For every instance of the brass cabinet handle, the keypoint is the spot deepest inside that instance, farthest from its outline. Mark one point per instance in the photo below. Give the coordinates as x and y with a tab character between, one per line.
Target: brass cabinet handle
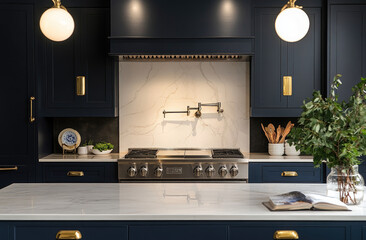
68	234
287	85
285	234
80	85
15	168
289	174
75	173
31	118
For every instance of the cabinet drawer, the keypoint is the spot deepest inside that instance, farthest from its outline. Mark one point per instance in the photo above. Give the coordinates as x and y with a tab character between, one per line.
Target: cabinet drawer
87	232
178	232
77	173
311	231
284	173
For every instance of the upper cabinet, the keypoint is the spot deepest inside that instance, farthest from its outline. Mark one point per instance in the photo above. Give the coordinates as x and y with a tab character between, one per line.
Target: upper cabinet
347	45
84	54
275	59
181	27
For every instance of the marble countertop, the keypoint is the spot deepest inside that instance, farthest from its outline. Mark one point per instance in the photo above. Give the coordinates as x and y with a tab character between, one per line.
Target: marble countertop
251	157
158	201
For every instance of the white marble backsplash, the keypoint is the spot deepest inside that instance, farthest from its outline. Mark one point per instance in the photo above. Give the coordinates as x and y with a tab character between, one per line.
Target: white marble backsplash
147	88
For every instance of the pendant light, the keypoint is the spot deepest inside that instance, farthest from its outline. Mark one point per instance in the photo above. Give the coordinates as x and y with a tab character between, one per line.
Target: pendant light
292	24
57	23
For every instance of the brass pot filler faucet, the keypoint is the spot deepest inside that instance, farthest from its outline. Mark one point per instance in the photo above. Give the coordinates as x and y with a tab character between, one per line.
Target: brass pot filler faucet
198	109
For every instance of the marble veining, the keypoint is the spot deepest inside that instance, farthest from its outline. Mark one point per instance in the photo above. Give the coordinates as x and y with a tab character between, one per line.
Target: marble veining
158	201
147	88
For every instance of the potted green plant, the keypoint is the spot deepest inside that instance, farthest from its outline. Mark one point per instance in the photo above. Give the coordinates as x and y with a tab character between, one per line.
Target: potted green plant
102	148
335	132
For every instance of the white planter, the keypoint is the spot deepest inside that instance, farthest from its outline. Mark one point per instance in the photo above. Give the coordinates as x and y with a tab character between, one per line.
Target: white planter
291	150
83	150
276	149
97	152
90	147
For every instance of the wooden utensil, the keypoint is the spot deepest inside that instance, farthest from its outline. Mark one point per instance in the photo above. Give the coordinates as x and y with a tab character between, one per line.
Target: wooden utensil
279	133
271	134
265	132
287	131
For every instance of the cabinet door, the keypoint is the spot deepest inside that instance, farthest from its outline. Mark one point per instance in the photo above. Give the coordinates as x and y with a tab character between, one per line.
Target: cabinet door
96	66
304	63
17	86
275	58
347	50
270	64
63	65
85	53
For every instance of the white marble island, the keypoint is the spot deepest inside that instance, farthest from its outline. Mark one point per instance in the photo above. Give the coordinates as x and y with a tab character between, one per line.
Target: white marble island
158	201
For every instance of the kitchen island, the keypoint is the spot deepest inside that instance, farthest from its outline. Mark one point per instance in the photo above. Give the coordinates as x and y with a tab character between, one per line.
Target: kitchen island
137	211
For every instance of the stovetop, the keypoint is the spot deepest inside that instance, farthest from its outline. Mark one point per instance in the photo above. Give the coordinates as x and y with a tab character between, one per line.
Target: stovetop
183	153
148	164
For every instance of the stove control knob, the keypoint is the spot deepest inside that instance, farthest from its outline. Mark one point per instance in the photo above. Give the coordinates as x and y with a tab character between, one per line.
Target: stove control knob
197	171
223	171
158	172
234	171
143	171
132	171
210	171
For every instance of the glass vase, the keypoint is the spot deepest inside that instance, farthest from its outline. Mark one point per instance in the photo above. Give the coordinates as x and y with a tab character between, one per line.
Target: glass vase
346	184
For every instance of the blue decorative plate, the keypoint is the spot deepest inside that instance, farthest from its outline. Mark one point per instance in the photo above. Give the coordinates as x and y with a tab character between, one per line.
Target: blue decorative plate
69	138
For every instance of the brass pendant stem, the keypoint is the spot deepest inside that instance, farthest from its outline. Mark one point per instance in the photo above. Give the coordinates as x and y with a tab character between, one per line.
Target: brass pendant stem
56	3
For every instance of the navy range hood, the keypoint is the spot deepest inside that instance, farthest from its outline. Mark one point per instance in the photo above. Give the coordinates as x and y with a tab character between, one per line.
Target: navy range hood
181	27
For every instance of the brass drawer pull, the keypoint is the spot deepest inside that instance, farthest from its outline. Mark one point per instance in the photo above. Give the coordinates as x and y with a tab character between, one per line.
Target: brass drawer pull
285	234
75	173
68	234
287	85
31	118
15	168
80	85
289	174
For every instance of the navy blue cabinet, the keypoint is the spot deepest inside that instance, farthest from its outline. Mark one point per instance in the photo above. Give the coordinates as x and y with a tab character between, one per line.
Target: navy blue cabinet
275	59
85	53
185	27
305	230
283	172
79	172
150	230
347	45
17	157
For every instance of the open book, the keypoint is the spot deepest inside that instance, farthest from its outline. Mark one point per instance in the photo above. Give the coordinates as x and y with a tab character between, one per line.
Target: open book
299	201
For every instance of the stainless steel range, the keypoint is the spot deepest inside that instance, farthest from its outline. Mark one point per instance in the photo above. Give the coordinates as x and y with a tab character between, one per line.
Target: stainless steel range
145	164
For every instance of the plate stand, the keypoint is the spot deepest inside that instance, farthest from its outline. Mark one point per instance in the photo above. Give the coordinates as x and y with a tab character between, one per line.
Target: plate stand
66	149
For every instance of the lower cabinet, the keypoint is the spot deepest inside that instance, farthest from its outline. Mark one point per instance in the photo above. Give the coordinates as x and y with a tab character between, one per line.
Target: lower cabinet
179	230
68	230
284	172
79	172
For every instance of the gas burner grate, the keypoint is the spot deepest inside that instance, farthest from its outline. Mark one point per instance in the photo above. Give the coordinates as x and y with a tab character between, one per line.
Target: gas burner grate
227	153
141	153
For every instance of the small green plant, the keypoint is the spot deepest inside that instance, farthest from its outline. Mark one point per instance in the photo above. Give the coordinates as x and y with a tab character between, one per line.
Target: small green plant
103	146
87	143
333	131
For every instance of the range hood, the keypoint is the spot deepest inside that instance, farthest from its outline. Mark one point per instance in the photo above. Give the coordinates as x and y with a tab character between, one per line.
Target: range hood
180	29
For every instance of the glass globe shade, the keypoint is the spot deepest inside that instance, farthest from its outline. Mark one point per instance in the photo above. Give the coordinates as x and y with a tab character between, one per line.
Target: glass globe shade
292	24
57	24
